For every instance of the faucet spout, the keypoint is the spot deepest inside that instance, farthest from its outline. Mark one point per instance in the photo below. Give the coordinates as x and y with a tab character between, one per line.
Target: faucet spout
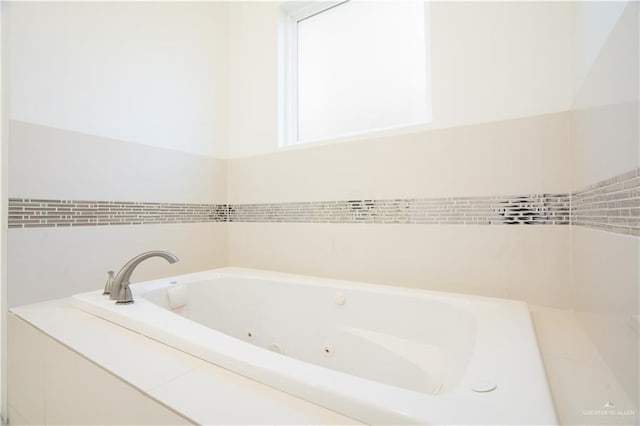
120	289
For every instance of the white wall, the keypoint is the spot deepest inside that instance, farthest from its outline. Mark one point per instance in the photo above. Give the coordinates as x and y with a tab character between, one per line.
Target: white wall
593	24
489	61
153	73
4	143
499	60
520	156
196	79
253	77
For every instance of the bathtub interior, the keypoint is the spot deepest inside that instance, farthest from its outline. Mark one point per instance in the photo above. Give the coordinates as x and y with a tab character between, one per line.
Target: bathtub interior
411	342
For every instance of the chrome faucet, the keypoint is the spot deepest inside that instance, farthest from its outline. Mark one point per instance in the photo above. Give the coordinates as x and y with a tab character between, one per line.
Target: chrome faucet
120	290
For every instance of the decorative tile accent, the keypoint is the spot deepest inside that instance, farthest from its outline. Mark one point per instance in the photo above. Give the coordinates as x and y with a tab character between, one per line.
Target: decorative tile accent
610	205
540	209
32	213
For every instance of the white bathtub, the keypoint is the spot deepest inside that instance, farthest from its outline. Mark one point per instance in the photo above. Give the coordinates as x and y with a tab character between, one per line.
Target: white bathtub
378	354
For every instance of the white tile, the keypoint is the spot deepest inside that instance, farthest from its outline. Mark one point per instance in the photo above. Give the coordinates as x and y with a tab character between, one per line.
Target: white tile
145	173
147	365
537	264
597	156
605	271
79	392
85	254
618	345
579	388
17	419
606	274
528	263
560	333
50	316
528	155
25	381
110	345
213	395
580	380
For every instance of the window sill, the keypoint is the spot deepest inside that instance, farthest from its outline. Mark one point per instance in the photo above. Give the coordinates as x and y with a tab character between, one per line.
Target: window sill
359	136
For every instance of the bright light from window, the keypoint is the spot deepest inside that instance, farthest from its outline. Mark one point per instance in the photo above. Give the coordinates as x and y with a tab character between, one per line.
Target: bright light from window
361	66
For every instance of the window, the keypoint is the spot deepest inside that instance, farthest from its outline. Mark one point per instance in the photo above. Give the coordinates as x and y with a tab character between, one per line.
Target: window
356	67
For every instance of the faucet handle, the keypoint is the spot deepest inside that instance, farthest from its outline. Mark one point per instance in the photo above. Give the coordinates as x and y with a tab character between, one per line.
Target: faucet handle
109	283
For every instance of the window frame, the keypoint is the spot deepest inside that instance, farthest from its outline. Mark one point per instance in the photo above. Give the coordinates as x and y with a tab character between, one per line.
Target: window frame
291	14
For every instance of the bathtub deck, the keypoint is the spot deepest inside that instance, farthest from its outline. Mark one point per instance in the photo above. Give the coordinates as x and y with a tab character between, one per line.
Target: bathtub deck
199	391
579	379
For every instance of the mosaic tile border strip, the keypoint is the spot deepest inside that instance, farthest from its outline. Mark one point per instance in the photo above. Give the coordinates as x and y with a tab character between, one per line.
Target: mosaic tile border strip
37	213
537	209
610	205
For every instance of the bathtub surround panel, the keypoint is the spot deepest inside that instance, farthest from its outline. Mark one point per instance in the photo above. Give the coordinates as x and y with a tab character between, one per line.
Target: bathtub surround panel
522	262
56	164
50	263
481	164
611	205
52	384
605	152
521	156
579	377
173	379
604	142
63	237
606	269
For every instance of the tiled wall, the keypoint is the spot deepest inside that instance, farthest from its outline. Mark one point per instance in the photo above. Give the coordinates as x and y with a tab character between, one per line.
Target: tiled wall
605	163
192	217
611	205
390	210
68	225
425	210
